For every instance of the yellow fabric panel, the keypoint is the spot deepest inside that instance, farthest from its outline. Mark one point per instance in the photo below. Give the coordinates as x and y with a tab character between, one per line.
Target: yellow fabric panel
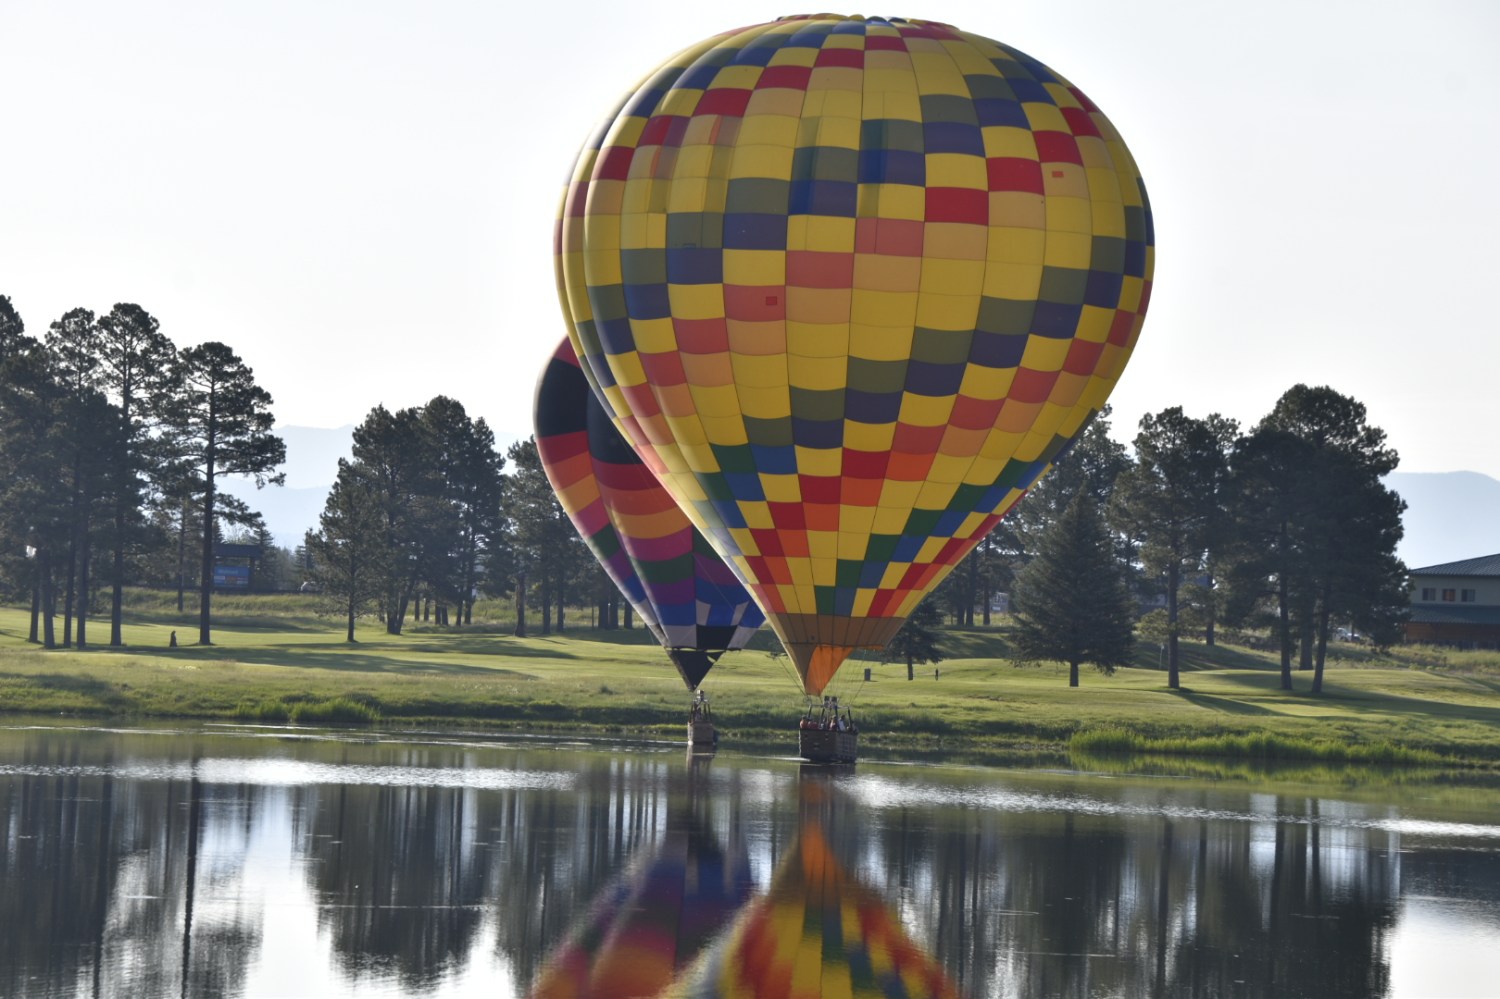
757	514
956	170
1065	180
924	410
891	578
936	73
780	488
757	372
818	306
816	372
868	436
955	241
1001	445
1094	324
884	275
935	496
1070	215
1011	214
1045	117
639	230
819	461
679	102
719	402
1045	353
987	384
1068	249
728	431
893	201
696	301
768	160
936	311
821	233
1008	141
949	469
767	403
747	339
898	495
653	336
889	520
764	129
754	267
1018	282
930	548
958	278
628	370
698	458
736	76
887	317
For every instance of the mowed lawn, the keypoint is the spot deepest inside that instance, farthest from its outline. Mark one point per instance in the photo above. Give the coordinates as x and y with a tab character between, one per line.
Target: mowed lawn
270	657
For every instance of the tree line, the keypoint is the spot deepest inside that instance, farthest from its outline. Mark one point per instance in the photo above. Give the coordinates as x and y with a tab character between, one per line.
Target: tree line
113	445
114	442
113	448
1287	527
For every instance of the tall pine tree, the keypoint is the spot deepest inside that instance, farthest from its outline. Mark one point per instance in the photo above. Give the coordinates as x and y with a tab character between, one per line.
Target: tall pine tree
1071	602
220	423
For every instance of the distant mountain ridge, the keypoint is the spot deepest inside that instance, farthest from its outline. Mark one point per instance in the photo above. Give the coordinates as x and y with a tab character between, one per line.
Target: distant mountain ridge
1450	515
312	463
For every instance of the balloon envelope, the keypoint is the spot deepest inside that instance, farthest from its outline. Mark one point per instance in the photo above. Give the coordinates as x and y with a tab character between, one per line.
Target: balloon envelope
850	286
677	583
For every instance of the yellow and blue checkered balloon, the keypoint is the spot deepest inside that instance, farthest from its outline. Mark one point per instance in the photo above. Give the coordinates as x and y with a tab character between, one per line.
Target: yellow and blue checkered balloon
849	286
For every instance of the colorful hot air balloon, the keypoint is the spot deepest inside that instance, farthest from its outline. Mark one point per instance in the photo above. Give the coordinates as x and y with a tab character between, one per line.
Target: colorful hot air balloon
850	286
677	583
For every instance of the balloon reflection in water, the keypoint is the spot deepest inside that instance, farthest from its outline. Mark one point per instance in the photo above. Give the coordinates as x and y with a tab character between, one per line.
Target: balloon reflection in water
651	921
850	285
817	933
681	588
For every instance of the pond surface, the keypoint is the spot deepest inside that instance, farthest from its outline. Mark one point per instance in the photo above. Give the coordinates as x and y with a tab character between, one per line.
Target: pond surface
271	862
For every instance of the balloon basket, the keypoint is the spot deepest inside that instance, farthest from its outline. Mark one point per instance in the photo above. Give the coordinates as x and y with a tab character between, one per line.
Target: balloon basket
820	745
702	734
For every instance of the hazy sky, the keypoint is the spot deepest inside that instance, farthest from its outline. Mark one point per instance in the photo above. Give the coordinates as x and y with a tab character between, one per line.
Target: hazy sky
358	196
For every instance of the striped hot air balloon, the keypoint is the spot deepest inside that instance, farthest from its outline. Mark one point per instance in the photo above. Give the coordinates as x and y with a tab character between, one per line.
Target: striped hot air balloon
677	583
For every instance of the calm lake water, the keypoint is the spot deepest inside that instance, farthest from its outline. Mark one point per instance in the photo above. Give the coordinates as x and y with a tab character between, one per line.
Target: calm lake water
268	862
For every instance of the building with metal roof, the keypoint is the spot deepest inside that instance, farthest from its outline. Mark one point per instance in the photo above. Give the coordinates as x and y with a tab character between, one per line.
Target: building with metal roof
1457	603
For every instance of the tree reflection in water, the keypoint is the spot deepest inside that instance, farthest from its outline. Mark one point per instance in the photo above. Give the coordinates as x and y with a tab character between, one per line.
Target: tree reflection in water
170	864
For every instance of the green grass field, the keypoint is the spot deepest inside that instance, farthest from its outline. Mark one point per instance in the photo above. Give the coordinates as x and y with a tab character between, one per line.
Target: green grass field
276	659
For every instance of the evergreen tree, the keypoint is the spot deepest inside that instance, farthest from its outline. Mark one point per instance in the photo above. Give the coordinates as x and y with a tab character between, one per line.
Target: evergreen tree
349	548
469	477
1264	554
1091	464
135	369
542	538
1348	523
1167	503
918	641
219	421
90	436
388	453
1071	602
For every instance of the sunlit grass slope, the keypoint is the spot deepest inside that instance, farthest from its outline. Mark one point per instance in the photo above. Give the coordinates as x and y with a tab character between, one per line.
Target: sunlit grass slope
276	659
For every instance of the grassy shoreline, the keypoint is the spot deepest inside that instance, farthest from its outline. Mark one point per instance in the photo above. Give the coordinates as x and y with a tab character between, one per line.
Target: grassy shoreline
275	660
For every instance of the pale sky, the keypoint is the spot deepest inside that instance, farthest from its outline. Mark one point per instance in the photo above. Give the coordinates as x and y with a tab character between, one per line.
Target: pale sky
357	197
